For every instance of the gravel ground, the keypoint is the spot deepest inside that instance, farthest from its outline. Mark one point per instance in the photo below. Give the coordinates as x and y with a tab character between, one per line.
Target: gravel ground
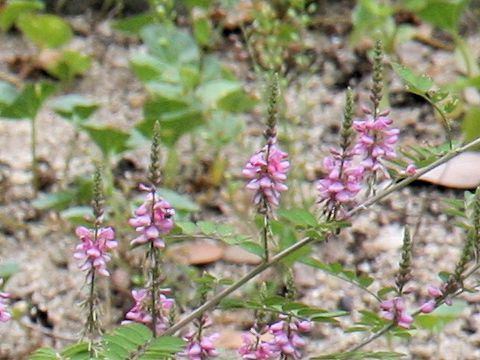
42	244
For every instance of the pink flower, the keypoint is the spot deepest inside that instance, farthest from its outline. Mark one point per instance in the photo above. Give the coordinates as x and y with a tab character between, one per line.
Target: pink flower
287	339
375	142
395	310
200	349
428	306
153	219
4	313
254	348
342	183
93	251
411	169
141	311
267	171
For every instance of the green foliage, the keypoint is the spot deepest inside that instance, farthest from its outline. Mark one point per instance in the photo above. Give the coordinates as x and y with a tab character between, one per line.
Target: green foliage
471	125
279	305
74	108
28	102
186	88
110	140
7	269
8	94
443	315
444	14
125	342
14	8
69	65
47	31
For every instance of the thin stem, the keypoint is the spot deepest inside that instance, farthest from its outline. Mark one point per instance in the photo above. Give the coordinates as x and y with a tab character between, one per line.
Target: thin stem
33	153
227	291
372	338
403	183
153	254
446	124
305	241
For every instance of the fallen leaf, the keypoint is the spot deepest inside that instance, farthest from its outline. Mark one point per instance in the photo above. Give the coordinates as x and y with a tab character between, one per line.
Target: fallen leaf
237	255
196	252
461	172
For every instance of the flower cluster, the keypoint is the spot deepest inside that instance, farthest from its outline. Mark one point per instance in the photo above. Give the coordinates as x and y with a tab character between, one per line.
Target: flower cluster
93	251
153	219
267	171
342	183
395	310
254	348
376	141
286	341
141	311
4	314
200	349
434	293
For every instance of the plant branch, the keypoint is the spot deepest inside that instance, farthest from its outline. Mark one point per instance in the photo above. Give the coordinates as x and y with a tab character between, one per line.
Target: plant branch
305	241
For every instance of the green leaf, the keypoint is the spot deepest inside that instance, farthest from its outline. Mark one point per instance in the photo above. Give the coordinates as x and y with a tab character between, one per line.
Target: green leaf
163	346
111	141
69	65
253	247
471	125
418	84
187	227
298	216
125	341
44	354
8	94
78	214
213	91
170	44
47	31
74	107
13	9
27	104
202	30
148	68
78	351
444	14
207	227
176	117
9	268
179	201
55	201
443	315
236	101
132	25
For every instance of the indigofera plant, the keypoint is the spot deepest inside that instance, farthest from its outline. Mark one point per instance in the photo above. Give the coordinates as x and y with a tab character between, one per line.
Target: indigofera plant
282	323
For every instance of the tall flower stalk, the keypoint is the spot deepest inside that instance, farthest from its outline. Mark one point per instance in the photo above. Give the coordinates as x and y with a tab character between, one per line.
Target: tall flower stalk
267	169
343	180
94	254
152	220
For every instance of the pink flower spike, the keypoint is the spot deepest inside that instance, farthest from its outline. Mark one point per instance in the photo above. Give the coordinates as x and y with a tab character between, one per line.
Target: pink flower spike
267	176
152	220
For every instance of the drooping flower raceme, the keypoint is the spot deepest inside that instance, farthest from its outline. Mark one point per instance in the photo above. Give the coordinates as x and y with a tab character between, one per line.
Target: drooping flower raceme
200	349
141	312
4	313
153	219
267	171
376	141
343	182
94	249
254	348
287	339
395	310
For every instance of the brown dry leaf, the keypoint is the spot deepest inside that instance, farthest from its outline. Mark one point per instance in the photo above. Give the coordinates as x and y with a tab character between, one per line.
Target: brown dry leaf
196	252
461	172
230	339
237	255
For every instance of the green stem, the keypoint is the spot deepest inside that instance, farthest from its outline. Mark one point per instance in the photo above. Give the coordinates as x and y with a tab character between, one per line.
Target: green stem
305	241
33	152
